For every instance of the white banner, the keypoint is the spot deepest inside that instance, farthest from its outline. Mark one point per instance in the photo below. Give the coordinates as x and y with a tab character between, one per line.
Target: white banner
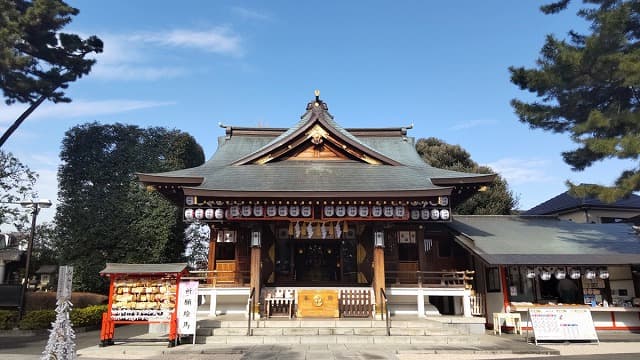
187	307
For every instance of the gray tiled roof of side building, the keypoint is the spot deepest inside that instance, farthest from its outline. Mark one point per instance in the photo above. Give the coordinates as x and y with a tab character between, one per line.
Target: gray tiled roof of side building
546	240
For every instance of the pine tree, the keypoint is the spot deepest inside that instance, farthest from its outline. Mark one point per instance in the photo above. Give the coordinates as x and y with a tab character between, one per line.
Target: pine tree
589	87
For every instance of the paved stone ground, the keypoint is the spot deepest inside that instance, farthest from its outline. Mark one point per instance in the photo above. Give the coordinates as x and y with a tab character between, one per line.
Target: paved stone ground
625	345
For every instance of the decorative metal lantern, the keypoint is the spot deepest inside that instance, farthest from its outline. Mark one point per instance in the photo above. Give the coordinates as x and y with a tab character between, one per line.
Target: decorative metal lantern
574	274
590	274
340	210
424	214
560	274
352	211
255	238
188	214
209	214
603	274
435	214
378	238
531	274
444	214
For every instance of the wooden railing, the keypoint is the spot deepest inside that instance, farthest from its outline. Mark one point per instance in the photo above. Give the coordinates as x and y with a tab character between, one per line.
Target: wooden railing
444	279
220	278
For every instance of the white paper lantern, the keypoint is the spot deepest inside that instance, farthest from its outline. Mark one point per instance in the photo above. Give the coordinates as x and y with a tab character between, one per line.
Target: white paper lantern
531	274
444	214
388	211
294	210
209	214
415	214
604	274
376	211
443	200
188	214
340	210
328	211
424	214
188	200
306	211
435	214
258	211
199	214
363	211
352	211
218	214
272	210
545	275
560	274
234	211
590	274
574	274
399	211
282	210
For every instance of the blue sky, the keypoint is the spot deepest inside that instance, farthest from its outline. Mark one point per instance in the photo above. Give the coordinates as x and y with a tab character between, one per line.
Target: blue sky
439	65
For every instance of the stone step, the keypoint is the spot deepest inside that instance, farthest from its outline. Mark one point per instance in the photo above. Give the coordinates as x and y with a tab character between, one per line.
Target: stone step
342	323
340	339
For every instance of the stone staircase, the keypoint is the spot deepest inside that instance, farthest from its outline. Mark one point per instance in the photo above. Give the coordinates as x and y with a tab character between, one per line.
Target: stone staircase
441	330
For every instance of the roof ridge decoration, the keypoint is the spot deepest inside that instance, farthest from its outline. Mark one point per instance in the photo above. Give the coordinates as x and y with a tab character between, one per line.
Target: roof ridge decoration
316	137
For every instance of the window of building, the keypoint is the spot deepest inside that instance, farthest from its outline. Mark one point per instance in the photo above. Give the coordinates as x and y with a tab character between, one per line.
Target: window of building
520	287
493	279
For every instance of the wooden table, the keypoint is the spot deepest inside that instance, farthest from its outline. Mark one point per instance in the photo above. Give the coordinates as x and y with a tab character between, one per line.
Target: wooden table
513	318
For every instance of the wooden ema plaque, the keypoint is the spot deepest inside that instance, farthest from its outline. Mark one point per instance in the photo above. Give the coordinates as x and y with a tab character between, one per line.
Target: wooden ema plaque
318	303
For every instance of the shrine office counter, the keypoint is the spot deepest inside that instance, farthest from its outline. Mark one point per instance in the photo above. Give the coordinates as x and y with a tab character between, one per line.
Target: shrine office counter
604	318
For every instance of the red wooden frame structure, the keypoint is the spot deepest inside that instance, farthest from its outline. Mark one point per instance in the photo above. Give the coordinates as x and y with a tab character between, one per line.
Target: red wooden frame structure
142	294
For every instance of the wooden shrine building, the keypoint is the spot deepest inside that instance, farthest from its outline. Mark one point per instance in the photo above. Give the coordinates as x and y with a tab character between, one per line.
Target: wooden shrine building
320	207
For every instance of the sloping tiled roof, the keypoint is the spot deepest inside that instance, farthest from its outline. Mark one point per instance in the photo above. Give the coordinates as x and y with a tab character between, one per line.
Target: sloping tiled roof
227	171
119	268
539	240
565	201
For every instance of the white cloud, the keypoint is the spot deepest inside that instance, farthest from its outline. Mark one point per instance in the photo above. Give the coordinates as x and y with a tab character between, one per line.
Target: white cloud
81	108
519	171
251	14
218	40
135	72
471	124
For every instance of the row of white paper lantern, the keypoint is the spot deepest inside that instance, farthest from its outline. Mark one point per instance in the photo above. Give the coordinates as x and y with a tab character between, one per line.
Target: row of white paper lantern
305	211
573	274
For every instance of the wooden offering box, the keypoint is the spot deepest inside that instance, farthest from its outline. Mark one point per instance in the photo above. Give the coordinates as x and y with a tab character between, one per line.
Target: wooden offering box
318	303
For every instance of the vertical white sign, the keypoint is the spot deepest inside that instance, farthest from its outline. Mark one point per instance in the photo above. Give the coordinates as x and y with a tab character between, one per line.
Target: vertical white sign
187	308
65	281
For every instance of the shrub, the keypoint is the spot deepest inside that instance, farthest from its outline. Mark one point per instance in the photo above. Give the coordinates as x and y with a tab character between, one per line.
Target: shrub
88	316
43	300
8	319
38	319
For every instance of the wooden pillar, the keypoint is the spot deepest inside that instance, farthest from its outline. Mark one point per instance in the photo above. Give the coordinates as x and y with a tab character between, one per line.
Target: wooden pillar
255	279
211	264
378	278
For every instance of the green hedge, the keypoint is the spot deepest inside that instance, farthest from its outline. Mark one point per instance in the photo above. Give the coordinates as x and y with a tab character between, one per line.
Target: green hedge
42	319
8	319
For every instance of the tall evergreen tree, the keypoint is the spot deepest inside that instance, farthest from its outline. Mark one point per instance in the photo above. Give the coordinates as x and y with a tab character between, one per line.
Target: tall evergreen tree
496	200
16	184
588	86
104	214
37	59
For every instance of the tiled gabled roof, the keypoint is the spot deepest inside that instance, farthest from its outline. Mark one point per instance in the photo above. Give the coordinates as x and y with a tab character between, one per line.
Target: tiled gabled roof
566	201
